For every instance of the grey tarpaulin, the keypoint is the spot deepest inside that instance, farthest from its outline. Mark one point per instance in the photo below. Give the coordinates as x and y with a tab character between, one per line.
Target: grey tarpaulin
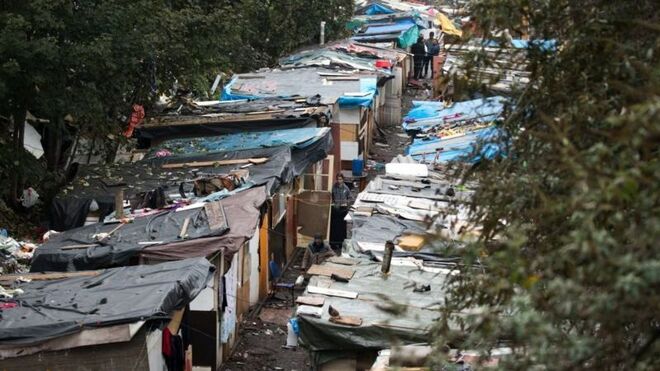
381	228
242	211
69	209
380	329
50	309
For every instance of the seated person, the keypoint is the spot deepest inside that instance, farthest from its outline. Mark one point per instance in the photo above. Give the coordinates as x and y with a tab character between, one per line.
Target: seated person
316	252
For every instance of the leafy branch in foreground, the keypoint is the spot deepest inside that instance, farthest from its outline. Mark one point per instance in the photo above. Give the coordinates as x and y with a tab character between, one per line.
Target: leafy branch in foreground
571	216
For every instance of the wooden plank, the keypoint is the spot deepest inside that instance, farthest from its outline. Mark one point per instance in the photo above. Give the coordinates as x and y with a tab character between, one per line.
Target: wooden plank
342	260
347	320
411	242
256	161
83	246
265	112
315	301
348	132
47	276
332	292
175	322
328	271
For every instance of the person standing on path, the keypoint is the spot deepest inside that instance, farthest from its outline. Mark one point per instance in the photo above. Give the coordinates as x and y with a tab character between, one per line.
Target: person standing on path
432	50
419	53
341	199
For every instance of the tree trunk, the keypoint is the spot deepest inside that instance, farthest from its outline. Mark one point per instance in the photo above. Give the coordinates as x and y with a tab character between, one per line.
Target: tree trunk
18	138
54	144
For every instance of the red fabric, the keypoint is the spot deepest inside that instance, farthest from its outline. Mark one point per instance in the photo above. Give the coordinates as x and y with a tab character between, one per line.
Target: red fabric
167	342
136	119
8	305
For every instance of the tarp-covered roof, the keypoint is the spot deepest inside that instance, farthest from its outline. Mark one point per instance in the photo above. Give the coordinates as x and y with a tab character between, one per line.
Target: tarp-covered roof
426	115
380	329
331	85
50	309
457	148
155	235
70	208
296	138
194	119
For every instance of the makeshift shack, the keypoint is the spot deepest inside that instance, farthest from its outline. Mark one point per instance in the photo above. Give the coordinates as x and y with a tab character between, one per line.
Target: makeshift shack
119	318
372	311
209	118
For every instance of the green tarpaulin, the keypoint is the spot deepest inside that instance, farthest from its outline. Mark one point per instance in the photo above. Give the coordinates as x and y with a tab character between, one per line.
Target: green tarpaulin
408	37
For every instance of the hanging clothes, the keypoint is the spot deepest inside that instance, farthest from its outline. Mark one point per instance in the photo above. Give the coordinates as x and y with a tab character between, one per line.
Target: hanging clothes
172	350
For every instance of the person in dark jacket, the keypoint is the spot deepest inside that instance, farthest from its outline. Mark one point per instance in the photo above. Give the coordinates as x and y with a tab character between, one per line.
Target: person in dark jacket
419	53
432	50
341	200
317	251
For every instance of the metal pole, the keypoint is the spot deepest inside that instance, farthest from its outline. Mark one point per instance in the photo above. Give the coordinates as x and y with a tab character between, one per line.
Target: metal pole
322	41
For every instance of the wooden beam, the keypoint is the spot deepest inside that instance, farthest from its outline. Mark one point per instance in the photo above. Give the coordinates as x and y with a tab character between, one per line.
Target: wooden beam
332	292
47	276
256	161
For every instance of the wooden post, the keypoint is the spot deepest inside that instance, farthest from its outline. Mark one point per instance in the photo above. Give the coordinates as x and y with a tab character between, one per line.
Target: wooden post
336	146
291	226
119	203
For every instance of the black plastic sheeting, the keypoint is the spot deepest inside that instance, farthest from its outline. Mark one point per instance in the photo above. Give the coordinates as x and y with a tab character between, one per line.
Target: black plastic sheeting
122	245
50	309
70	208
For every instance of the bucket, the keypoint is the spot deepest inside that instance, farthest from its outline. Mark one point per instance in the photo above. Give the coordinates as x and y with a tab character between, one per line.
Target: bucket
358	166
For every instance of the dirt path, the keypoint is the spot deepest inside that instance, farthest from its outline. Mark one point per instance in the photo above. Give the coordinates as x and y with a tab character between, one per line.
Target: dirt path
262	339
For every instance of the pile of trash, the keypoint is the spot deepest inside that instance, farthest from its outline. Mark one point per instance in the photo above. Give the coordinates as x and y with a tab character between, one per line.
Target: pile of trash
15	256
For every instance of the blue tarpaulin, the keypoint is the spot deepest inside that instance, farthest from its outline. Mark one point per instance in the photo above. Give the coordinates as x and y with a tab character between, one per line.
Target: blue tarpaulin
368	86
377	8
397	26
547	45
426	115
460	148
296	138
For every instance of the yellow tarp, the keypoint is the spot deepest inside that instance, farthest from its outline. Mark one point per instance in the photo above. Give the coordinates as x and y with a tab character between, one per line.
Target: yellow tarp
448	26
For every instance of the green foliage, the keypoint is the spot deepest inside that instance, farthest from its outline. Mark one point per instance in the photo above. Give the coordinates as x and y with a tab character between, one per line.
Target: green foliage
89	61
572	216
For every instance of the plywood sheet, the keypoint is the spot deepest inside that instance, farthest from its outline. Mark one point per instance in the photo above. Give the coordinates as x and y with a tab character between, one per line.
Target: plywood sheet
313	212
328	271
411	242
347	320
315	301
341	260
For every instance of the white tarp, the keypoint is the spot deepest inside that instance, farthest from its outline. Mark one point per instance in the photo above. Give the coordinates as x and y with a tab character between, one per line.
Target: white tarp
32	141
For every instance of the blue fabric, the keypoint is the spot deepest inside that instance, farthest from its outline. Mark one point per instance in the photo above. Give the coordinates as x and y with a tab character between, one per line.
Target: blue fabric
274	269
458	148
398	26
367	85
427	114
298	138
226	93
377	9
547	45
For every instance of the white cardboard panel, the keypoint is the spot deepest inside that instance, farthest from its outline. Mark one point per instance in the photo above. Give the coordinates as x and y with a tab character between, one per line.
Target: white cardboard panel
349	151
